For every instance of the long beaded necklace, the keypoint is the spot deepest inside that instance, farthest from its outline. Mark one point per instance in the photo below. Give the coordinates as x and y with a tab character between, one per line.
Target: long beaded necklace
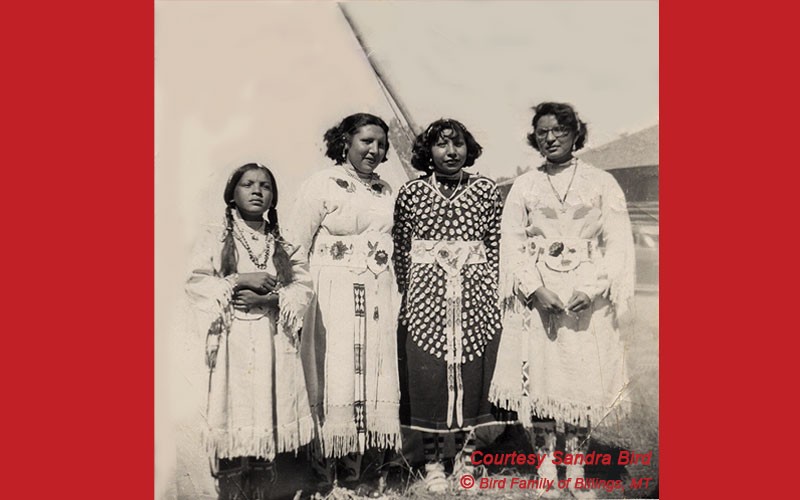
563	200
261	259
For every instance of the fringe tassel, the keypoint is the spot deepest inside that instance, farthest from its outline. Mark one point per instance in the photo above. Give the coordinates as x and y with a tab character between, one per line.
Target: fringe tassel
620	294
257	442
510	400
241	443
561	410
292	304
291	437
340	440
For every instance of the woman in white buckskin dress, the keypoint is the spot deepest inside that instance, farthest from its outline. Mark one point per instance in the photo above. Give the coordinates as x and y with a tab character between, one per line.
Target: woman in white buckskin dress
567	275
342	219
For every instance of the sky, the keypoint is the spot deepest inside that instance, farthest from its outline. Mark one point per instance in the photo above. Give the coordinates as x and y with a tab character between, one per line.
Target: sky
488	63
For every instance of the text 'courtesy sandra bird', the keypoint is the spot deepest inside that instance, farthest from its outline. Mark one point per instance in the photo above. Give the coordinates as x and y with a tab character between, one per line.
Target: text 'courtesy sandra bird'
561	458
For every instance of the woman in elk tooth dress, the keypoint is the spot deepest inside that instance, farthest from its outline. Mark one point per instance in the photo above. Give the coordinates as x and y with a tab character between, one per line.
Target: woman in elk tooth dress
446	233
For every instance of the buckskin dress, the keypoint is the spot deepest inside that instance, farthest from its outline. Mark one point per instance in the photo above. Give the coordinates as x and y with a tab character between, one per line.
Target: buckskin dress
257	400
567	366
349	338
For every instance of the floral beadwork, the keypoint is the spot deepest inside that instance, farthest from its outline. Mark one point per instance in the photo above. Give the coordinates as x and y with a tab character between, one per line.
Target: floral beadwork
338	250
381	257
555	249
378	256
350	188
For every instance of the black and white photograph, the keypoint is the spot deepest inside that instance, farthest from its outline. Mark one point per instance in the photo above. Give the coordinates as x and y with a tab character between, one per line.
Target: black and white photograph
406	249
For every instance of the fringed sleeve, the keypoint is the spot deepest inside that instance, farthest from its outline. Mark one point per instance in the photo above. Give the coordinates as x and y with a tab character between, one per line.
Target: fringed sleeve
294	298
308	213
209	294
518	278
402	231
618	261
518	272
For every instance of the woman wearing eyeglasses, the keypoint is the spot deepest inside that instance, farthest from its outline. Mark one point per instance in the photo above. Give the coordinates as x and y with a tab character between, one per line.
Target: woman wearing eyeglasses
567	266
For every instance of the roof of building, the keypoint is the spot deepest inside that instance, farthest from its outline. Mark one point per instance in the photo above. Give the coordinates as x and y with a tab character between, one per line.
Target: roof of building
631	150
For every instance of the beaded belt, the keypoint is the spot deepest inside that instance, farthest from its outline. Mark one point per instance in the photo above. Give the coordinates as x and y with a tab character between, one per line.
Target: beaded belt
371	250
562	254
451	256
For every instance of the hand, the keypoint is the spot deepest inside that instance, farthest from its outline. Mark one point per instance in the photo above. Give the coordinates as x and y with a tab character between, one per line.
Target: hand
578	302
548	299
260	282
244	300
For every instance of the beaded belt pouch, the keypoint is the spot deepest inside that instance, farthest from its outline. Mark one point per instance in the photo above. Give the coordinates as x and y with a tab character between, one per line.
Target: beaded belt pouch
369	250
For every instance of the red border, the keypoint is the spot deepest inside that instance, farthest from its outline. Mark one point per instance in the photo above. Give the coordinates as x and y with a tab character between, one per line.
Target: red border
78	336
725	196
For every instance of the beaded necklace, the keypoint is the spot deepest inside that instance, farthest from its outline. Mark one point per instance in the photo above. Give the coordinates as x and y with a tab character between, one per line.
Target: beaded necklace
243	233
372	183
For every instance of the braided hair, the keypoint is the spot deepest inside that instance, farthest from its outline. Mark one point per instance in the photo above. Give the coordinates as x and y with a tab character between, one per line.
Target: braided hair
229	257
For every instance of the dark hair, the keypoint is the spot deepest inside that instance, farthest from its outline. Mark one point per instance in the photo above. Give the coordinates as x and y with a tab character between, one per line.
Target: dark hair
338	138
421	158
229	258
566	115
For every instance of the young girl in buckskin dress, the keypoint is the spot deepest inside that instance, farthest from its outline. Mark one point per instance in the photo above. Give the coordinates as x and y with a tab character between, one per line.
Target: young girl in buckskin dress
250	289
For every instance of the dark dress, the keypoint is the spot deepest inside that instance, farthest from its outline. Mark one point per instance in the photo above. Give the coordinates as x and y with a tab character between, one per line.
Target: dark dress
446	259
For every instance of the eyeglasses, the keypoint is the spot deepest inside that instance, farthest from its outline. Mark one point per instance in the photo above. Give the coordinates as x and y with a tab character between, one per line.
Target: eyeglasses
558	132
